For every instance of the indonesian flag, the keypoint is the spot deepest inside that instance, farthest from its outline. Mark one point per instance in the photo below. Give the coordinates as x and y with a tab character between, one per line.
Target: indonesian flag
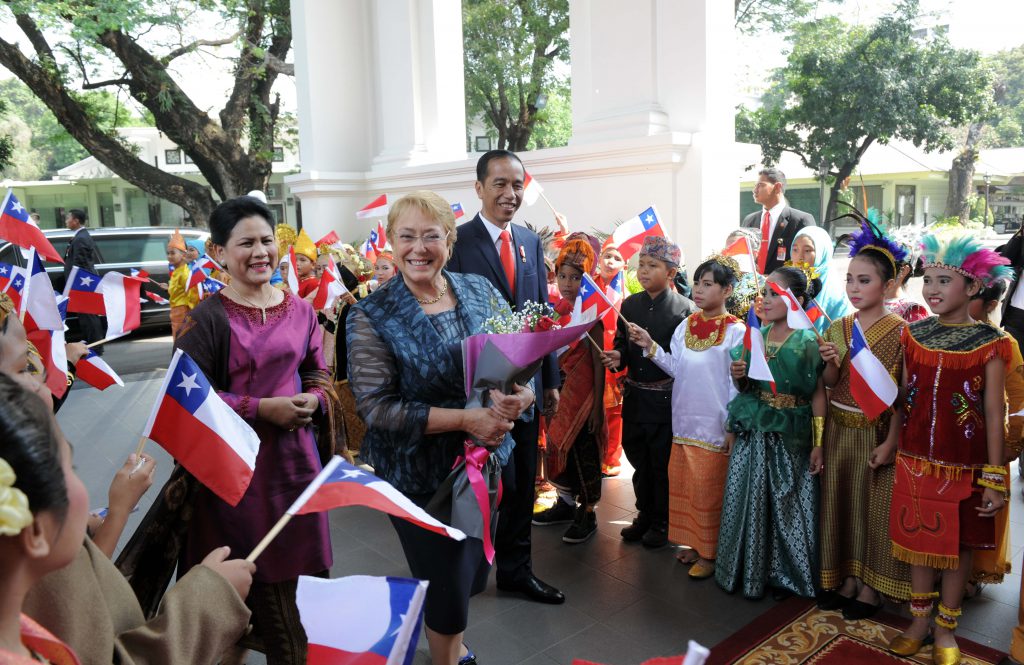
83	292
16	226
629	236
361	620
375	208
796	317
193	424
96	373
292	275
122	302
531	190
38	300
753	342
381	238
331	287
457	210
870	383
744	255
330	239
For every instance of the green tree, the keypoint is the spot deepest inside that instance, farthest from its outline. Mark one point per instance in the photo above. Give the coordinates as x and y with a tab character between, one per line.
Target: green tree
770	15
845	88
510	48
1007	120
71	47
554	121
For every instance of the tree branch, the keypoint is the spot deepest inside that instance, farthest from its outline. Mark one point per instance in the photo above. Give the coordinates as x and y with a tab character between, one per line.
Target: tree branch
188	48
123	80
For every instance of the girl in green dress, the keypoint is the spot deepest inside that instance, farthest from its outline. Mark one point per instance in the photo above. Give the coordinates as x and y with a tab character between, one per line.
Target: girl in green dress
769	530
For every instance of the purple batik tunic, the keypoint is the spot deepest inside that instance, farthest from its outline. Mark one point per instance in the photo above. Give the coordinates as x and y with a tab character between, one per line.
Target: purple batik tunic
265	361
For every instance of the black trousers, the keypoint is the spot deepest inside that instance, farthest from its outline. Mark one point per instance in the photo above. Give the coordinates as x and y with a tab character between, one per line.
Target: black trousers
91	326
647	447
512	543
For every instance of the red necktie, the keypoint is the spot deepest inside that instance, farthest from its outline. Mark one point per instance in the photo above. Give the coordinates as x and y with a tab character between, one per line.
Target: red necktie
762	254
506	260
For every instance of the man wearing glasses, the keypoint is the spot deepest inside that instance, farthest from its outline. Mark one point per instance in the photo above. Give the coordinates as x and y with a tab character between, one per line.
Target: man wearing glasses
777	222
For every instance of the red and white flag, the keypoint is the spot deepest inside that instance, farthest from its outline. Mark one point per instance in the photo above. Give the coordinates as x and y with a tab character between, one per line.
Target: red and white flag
744	255
381	239
796	317
531	190
84	293
200	431
331	239
122	302
17	226
870	383
50	344
96	373
292	276
753	342
375	208
156	297
629	235
38	300
331	287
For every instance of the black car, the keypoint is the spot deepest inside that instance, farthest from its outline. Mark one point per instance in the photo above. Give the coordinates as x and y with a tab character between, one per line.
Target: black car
120	249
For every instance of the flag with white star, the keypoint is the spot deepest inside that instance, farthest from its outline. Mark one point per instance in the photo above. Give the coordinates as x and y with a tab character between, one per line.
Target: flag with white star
16	227
84	293
203	433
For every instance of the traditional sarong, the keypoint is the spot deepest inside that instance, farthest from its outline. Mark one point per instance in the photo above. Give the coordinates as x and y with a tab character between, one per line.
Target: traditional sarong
569	426
177	318
696	485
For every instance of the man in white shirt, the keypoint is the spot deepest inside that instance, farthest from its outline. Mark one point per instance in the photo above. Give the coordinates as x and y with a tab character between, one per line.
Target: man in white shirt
777	222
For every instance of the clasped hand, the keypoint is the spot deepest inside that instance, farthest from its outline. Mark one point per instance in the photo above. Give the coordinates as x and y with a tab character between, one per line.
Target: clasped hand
288	412
490	424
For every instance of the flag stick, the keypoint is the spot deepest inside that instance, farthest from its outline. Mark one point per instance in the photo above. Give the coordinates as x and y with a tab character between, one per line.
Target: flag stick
545	197
281	523
142	444
100	342
596	345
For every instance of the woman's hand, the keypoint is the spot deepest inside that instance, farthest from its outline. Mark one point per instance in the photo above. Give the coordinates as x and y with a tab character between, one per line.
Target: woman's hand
611	360
75	351
483	424
639	336
510	407
882	455
738	369
829	352
348	297
817	460
286	412
130	482
237	572
992	501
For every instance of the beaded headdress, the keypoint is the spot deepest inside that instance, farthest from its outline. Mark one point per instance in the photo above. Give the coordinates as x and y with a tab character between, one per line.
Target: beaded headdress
964	254
6	307
872	238
806	268
726	261
578	252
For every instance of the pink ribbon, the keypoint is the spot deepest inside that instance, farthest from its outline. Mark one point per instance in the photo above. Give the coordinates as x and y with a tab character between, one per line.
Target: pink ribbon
475	458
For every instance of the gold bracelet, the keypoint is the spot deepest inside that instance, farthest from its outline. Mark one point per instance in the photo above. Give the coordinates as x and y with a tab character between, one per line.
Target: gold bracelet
652	350
818	429
989	468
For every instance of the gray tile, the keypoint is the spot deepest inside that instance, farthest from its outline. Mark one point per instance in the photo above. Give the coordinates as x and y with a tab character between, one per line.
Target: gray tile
1008	592
989	617
490	603
558	567
497	644
365	561
664	626
603	644
540	626
600	595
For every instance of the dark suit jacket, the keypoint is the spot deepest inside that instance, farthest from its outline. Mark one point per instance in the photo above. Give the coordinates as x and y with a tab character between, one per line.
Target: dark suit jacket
474	253
81	252
790	222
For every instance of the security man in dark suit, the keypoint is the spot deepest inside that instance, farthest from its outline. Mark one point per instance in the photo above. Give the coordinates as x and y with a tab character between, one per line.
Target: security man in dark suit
510	256
777	222
82	252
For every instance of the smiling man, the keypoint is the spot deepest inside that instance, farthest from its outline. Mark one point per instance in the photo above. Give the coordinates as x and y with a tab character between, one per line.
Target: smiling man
511	257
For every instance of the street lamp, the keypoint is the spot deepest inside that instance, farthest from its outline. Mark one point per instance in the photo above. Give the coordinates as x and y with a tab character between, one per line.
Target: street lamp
822	174
988	181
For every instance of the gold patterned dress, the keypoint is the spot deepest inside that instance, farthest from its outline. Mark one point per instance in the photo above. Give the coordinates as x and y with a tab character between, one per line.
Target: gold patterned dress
855	499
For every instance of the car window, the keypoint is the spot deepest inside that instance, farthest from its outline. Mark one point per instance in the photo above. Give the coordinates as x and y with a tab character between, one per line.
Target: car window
9	254
60	244
122	249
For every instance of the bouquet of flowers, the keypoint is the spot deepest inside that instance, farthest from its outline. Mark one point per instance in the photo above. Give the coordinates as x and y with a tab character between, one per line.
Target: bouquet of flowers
508	352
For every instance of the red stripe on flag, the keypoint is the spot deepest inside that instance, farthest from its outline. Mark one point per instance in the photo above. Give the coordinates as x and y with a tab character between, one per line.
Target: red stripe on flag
867	399
318	654
93	375
338	494
201	450
86	302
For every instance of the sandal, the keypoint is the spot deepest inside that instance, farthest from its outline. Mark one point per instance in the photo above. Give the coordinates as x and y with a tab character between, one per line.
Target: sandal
684	559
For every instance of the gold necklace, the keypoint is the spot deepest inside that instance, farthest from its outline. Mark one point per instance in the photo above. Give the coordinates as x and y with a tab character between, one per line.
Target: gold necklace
262	308
440	294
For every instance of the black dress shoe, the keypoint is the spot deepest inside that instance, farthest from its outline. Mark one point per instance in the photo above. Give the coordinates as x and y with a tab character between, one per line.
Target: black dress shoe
781	594
534	589
832	600
858	609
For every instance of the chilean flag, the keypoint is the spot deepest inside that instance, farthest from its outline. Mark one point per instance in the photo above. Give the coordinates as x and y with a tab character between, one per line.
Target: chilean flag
753	342
140	273
12	282
591	302
84	293
331	287
38	300
203	433
341	484
122	302
870	383
796	317
367	249
207	263
52	351
361	620
531	190
375	208
96	373
16	227
210	286
196	276
380	237
157	298
457	210
744	255
814	312
629	236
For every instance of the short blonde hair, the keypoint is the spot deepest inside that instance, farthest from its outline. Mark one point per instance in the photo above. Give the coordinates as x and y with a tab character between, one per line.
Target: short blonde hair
429	203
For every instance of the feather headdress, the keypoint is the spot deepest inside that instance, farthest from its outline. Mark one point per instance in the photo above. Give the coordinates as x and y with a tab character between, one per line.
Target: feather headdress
964	254
871	237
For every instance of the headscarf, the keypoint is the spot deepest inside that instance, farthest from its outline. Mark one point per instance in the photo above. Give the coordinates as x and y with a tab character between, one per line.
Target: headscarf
832	297
196	244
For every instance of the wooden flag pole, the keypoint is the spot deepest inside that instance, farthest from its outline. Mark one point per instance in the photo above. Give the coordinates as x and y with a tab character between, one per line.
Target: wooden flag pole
267	539
100	342
141	445
545	197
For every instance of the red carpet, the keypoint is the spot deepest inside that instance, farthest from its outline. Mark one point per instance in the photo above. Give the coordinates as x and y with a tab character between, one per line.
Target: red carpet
796	632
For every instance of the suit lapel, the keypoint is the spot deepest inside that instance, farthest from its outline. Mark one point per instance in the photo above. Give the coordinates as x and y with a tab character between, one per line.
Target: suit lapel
489	253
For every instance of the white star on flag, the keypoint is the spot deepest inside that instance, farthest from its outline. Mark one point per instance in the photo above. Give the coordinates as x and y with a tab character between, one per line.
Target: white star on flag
353	473
17	207
188	383
3	270
86	281
17	283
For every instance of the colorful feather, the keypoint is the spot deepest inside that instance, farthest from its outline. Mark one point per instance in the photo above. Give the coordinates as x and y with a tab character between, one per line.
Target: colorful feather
872	236
966	255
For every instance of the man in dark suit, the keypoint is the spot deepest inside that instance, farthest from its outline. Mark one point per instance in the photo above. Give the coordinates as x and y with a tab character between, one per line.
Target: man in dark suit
511	257
81	252
777	222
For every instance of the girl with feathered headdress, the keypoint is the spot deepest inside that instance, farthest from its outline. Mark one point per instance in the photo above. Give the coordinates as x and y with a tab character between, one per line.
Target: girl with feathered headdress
857	566
950	479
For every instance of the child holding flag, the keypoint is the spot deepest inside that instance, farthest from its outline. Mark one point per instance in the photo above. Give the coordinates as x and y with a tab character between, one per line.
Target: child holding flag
699	362
857	566
647	404
576	434
305	262
769	529
950	461
611	277
182	299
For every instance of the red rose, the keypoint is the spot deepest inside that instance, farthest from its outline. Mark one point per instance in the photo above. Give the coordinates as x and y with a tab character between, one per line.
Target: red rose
545	323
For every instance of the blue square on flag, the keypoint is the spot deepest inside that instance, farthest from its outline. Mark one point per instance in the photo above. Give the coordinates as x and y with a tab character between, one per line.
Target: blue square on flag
86	281
188	387
648	218
15	209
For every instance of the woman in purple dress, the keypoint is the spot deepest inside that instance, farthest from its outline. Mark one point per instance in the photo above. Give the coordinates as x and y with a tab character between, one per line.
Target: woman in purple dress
260	347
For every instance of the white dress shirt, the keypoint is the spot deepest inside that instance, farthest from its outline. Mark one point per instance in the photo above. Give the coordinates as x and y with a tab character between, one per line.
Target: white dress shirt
495	232
773	215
